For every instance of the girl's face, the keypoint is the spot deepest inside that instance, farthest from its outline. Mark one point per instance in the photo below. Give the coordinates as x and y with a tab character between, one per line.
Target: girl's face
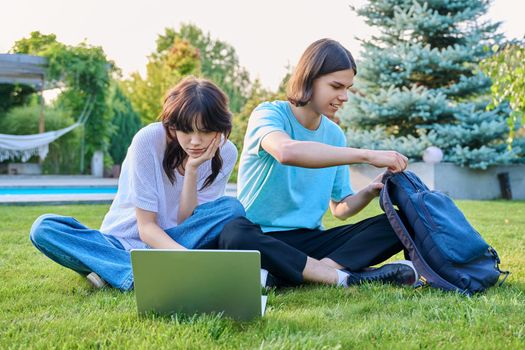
330	92
195	142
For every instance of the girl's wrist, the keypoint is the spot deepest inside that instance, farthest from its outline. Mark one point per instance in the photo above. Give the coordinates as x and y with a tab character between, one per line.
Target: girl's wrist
190	169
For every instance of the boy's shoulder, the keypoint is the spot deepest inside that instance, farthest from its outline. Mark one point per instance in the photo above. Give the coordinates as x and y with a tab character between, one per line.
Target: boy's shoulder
276	106
274	112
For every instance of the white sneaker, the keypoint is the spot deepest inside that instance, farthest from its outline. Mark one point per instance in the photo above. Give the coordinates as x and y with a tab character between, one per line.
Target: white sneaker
96	281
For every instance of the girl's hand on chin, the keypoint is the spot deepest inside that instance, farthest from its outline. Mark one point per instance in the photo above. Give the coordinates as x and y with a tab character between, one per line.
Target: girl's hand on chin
209	153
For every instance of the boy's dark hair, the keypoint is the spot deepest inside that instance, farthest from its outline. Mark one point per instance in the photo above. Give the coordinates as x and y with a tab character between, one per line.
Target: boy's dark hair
193	104
322	57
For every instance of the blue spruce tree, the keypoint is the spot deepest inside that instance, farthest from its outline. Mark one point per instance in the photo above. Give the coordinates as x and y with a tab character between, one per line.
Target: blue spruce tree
419	84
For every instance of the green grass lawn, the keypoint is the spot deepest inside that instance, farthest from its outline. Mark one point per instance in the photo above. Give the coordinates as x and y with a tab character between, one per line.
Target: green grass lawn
44	305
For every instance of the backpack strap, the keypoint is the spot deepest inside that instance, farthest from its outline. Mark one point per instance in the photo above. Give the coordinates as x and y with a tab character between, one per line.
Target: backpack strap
496	266
404	236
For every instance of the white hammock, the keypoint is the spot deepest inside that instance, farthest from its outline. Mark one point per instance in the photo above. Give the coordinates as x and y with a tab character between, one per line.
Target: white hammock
26	146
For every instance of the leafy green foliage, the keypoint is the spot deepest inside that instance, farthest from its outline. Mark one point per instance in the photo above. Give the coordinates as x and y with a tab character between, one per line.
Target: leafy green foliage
85	73
63	153
125	121
163	71
219	62
419	86
14	95
37	42
507	70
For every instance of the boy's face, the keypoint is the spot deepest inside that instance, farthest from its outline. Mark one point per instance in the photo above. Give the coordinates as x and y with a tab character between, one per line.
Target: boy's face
330	92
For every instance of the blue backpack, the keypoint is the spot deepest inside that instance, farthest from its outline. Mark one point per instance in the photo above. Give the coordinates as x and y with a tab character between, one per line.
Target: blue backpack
445	249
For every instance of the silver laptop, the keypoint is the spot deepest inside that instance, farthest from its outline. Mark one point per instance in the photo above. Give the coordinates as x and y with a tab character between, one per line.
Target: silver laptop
198	281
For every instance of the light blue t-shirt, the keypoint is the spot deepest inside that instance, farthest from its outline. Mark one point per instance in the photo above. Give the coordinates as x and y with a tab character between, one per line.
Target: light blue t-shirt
283	197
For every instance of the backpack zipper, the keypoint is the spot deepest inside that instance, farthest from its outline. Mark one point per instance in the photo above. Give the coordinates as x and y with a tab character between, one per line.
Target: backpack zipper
429	218
411	182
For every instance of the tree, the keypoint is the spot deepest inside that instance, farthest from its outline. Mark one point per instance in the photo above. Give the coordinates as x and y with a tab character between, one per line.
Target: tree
507	71
420	84
163	71
37	42
13	96
126	122
218	59
85	72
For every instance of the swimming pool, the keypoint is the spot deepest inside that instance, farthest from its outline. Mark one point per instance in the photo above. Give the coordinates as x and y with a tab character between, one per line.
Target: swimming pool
35	190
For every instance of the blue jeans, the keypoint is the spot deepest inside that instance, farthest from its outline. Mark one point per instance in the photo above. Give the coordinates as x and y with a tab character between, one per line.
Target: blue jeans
84	250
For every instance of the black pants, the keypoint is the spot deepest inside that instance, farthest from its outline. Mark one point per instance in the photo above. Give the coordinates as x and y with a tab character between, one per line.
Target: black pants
284	253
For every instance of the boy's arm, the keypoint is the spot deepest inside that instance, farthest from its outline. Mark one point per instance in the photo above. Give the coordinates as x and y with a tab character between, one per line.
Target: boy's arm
309	154
353	204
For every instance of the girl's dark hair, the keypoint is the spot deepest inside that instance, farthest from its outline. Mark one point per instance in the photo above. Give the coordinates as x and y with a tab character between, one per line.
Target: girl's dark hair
193	104
322	57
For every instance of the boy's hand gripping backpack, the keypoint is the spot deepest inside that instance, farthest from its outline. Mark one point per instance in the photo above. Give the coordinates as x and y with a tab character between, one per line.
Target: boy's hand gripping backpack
445	249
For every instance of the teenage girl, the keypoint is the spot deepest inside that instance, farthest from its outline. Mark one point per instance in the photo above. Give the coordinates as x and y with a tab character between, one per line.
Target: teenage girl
294	166
170	191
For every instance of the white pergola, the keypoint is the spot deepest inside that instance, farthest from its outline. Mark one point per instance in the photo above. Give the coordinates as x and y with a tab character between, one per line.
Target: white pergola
19	69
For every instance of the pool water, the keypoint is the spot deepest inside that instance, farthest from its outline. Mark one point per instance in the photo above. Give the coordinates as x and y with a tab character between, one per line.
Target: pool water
57	190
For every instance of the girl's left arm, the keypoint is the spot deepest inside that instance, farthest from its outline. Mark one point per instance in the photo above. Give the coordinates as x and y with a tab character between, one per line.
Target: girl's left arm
353	204
151	233
188	196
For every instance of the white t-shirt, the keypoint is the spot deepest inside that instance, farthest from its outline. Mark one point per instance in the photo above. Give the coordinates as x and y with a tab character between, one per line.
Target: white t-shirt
144	184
